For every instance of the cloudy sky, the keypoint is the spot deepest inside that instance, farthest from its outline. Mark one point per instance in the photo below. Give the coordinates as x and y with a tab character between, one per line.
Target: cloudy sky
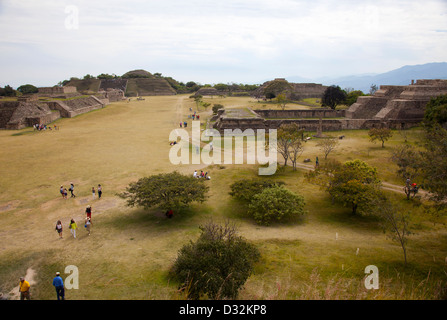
43	42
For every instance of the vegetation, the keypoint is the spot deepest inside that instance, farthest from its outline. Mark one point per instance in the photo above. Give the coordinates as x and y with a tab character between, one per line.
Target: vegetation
166	191
381	134
276	204
217	265
332	97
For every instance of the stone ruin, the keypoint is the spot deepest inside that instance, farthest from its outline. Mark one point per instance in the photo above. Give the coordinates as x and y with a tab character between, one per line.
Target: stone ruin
293	91
396	107
50	104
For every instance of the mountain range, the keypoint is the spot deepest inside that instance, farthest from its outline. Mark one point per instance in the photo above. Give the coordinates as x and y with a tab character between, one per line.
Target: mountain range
401	76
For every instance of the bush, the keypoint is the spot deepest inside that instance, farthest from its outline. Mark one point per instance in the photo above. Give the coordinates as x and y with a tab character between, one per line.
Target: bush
217	265
167	191
276	204
245	190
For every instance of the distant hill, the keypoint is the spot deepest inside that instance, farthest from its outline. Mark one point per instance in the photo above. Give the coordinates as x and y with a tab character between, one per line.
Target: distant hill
401	76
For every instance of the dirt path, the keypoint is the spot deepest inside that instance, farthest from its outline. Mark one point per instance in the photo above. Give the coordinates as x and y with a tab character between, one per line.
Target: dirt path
30	277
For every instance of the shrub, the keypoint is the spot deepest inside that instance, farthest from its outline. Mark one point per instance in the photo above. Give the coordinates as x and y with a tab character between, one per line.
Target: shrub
245	190
216	265
276	204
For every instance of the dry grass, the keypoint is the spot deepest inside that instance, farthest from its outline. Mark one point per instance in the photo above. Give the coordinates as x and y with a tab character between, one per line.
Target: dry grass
129	252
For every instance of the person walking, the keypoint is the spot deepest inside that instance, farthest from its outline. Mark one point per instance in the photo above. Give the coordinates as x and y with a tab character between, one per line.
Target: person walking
24	288
59	228
58	283
88	212
87	225
93	192
72	190
99	191
73	226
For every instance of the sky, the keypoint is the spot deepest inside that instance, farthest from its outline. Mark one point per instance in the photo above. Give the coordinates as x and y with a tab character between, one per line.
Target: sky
43	42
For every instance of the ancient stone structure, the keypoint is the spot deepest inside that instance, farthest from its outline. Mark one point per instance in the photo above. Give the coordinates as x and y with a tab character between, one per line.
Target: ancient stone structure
406	103
293	91
49	105
394	107
208	91
50	91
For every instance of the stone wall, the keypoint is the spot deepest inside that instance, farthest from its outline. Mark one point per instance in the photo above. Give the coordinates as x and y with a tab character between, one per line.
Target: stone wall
56	90
295	114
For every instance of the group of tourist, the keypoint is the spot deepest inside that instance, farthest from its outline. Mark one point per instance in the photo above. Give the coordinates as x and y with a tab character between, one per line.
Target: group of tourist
43	127
201	175
64	193
73	226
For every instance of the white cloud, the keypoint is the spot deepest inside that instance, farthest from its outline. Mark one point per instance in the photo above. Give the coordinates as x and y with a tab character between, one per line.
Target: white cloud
284	37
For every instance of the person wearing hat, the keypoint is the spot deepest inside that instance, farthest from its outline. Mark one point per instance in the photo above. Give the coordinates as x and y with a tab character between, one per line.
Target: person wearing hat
58	283
24	287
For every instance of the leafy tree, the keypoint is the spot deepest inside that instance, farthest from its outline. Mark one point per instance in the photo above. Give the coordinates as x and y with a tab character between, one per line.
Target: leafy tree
166	191
381	134
356	184
436	111
217	265
373	89
106	76
327	145
8	91
216	107
276	204
289	141
332	97
281	100
245	189
27	89
351	97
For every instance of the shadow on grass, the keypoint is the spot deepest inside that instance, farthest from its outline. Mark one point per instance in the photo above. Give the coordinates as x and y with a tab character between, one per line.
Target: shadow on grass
156	218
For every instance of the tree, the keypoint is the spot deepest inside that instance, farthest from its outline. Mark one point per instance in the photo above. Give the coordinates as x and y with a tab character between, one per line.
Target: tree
395	223
245	190
354	183
217	265
288	136
382	134
296	148
436	111
8	91
332	97
27	89
166	191
352	96
373	89
276	204
216	107
281	100
327	145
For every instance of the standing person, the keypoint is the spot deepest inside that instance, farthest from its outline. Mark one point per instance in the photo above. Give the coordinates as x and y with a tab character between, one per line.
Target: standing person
72	190
88	212
87	225
73	226
59	228
24	287
317	163
65	193
99	191
58	283
93	192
